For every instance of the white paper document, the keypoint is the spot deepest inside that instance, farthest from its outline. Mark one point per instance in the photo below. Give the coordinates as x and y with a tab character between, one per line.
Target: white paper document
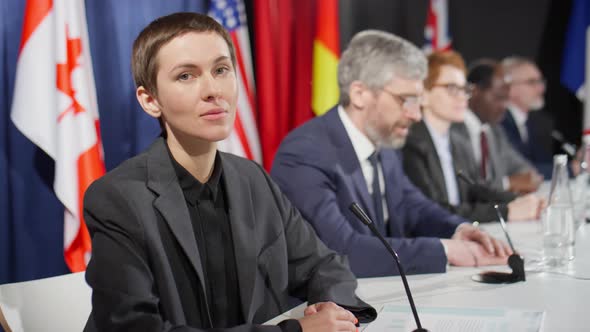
396	317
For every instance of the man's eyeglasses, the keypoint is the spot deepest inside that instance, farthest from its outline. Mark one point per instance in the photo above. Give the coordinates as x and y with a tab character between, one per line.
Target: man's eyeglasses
411	102
456	90
531	82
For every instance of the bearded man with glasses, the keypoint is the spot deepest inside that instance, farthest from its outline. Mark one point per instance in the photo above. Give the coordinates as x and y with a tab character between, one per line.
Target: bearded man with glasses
350	154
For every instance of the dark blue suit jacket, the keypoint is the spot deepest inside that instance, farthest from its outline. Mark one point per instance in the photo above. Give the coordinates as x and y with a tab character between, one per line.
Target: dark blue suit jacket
538	148
317	168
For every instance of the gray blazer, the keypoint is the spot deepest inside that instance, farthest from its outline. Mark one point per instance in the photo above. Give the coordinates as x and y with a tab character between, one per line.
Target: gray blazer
145	253
423	167
504	159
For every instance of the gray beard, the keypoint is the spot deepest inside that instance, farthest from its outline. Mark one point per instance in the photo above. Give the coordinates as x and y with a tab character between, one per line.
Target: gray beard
390	142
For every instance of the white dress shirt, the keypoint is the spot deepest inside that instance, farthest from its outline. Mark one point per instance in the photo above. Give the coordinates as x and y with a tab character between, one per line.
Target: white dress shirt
364	148
442	144
520	118
475	127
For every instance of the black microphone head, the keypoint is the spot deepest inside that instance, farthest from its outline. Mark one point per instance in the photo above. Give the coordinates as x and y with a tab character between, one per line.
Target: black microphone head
557	136
359	213
566	146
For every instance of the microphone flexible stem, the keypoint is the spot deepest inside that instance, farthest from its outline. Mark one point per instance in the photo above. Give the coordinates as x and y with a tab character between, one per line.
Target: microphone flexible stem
402	274
359	213
504	228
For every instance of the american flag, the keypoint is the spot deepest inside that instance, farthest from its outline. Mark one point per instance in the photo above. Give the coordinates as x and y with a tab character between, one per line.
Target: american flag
243	140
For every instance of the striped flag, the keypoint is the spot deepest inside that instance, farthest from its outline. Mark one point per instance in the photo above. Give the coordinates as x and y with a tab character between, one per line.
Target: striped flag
326	52
575	68
243	140
55	107
436	31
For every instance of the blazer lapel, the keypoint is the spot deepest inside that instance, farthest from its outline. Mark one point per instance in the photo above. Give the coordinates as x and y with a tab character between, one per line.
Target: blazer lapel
495	164
513	133
349	159
362	191
463	161
163	181
243	234
426	145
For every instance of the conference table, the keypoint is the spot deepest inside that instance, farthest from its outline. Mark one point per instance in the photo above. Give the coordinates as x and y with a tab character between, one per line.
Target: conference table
563	293
63	303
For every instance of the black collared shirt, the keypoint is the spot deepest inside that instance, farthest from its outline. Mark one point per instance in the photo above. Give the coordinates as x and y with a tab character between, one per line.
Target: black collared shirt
210	220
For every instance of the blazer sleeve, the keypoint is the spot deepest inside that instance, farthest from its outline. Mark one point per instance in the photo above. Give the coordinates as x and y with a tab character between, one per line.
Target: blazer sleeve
480	211
316	273
123	296
482	198
417	171
314	190
424	217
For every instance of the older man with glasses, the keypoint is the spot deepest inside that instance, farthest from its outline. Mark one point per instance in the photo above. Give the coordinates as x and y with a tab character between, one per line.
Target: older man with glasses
434	154
529	131
349	155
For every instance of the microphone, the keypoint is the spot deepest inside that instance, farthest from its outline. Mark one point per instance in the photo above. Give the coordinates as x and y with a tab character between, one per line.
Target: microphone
515	262
364	218
566	146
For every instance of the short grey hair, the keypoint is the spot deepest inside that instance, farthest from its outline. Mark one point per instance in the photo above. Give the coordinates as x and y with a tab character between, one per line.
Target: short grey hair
375	57
509	64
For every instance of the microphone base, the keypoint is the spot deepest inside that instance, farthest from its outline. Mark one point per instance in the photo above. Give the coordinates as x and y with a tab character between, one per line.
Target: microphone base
515	261
420	330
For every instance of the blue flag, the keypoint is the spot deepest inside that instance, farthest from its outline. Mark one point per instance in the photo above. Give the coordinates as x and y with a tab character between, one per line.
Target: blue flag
574	55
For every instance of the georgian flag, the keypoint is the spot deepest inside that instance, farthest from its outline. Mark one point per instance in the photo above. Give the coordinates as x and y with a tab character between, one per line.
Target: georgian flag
55	107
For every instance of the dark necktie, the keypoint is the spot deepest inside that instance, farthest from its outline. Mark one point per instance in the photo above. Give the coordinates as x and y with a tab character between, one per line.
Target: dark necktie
524	137
377	199
485	153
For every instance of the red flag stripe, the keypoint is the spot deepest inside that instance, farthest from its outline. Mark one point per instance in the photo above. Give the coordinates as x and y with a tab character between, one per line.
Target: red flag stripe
432	18
239	130
35	12
327	32
242	69
266	73
90	168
